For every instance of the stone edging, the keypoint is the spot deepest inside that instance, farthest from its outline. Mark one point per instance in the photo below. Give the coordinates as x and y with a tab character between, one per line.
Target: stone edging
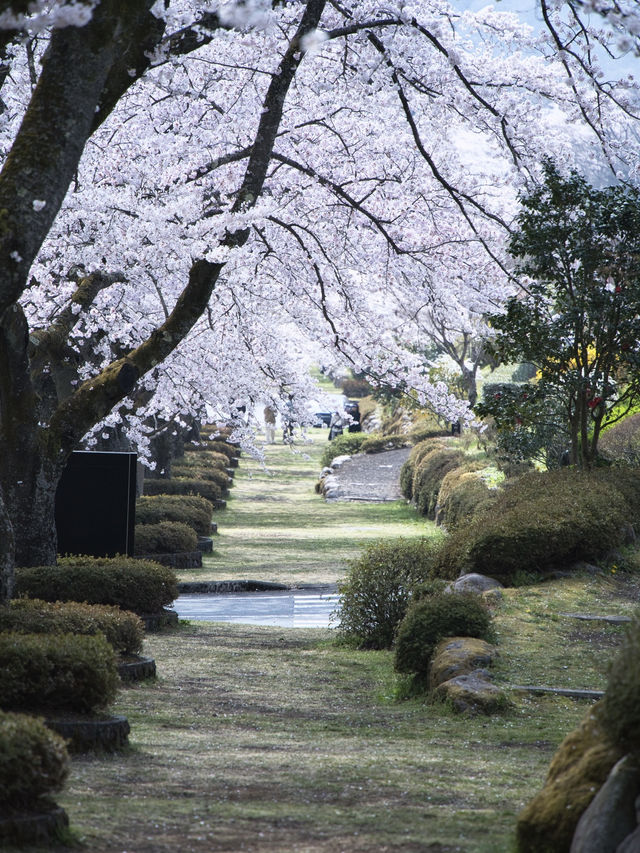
137	670
594	617
156	621
32	828
86	734
574	693
187	587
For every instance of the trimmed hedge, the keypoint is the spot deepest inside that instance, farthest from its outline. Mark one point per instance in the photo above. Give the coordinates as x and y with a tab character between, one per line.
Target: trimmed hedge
123	630
213	475
193	510
138	585
540	522
421	449
378	587
64	672
167	537
346	444
216	445
380	443
211	459
462	495
429	620
428	476
183	486
34	762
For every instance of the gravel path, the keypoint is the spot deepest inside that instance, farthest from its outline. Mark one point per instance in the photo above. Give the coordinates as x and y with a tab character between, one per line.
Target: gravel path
368	477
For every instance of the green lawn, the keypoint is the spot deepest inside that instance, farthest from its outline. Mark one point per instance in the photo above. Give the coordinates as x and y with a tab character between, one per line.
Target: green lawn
273	740
276	528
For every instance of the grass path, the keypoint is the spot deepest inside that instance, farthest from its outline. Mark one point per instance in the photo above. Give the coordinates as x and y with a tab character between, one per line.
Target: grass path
276	528
272	740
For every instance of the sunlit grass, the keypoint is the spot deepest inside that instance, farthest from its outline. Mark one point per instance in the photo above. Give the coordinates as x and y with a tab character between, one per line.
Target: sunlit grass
276	527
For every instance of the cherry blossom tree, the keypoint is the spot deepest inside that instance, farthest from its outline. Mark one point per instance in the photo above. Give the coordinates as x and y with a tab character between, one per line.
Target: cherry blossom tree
192	191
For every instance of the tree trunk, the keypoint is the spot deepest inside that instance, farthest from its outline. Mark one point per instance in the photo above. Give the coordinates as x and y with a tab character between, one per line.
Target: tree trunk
6	554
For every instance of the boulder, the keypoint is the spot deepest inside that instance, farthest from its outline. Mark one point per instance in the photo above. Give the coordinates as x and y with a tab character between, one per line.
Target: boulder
473	582
611	815
456	656
473	693
577	771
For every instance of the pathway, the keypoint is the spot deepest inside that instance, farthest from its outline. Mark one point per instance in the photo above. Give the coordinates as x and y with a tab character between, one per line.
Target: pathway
369	477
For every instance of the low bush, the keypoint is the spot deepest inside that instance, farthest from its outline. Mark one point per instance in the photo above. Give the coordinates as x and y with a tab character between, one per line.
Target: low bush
216	445
429	620
620	715
355	387
183	486
379	443
343	445
138	585
193	510
428	476
167	537
539	522
377	589
463	494
34	763
64	672
123	630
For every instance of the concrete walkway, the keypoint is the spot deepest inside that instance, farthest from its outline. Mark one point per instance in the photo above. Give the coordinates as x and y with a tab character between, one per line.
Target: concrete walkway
283	609
370	477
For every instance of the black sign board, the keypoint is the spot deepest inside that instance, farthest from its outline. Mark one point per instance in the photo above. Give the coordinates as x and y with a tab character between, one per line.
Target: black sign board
96	504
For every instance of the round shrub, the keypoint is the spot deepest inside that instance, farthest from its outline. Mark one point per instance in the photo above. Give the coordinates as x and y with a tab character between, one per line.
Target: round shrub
621	442
377	589
428	477
123	630
189	509
184	486
210	459
64	672
621	706
138	585
215	445
430	620
34	762
167	537
539	522
343	445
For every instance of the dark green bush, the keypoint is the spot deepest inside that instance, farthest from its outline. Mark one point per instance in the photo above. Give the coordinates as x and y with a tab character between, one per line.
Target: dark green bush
189	509
430	620
379	443
124	630
34	763
343	445
428	476
621	707
138	585
183	486
214	445
355	387
167	537
539	522
376	591
56	671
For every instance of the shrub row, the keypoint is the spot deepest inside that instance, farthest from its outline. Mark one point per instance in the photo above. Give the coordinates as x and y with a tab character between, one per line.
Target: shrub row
166	537
34	762
343	445
216	445
428	475
123	630
138	585
184	486
64	672
193	510
212	475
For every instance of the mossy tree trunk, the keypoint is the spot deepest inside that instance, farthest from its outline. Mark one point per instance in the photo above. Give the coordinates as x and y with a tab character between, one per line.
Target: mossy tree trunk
85	72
